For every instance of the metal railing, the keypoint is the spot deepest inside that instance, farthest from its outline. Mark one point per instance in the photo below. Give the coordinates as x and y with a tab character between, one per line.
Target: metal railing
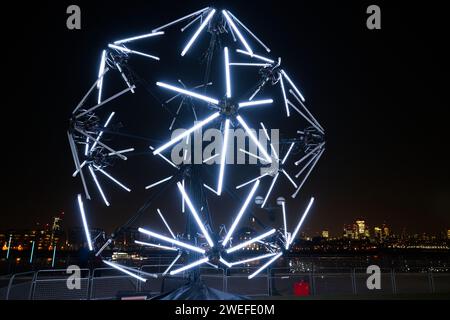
108	283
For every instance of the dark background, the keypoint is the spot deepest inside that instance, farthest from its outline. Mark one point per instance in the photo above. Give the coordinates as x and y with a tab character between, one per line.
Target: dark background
379	94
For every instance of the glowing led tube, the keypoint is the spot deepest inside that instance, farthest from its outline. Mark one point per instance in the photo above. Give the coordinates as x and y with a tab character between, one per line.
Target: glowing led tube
187	132
85	225
196	34
148	35
297	228
187	92
241	213
120	268
155	245
170	240
189	266
195	214
265	265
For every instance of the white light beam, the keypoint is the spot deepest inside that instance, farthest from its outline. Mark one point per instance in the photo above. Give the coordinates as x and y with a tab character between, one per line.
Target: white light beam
189	266
120	268
297	228
254	103
199	30
89	91
113	179
187	92
102	144
180	19
100	76
227	72
283	207
165	223
74	174
147	244
195	214
158	182
237	32
126	50
310	153
187	132
248	182
244	64
101	132
254	274
288	152
306	165
211	189
293	85
270	189
253	155
241	213
306	109
191	23
85	225
252	259
249	31
170	240
308	173
98	185
253	138
210	158
289	178
121	151
104	102
284	97
148	35
172	263
223	156
305	117
76	160
256	56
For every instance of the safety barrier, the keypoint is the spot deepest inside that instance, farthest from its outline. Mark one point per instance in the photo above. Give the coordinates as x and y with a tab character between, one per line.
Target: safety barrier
108	283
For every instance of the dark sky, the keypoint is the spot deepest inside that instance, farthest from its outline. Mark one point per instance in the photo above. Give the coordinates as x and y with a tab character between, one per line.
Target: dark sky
379	94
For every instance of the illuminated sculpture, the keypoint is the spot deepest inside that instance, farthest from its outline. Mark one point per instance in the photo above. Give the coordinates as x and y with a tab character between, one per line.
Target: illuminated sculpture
226	110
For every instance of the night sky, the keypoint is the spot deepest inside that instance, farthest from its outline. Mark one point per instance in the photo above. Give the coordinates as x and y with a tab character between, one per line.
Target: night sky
379	94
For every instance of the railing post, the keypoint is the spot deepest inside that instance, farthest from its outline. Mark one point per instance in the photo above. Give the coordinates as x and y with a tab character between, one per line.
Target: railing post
91	286
226	280
353	278
9	286
33	286
394	285
313	280
431	281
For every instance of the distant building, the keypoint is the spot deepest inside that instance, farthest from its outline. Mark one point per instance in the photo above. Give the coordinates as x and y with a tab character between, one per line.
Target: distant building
349	232
125	240
378	233
325	234
448	234
245	234
360	228
386	231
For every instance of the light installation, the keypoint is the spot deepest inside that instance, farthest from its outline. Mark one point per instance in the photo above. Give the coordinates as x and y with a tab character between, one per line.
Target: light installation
222	101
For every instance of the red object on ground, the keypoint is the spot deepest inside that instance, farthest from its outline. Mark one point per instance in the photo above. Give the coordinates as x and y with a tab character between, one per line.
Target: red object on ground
301	288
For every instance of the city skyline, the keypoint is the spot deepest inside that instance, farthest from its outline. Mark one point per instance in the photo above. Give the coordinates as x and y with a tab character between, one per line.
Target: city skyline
354	226
371	168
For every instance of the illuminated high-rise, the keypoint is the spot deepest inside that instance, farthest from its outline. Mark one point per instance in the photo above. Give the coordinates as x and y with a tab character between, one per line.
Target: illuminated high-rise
361	227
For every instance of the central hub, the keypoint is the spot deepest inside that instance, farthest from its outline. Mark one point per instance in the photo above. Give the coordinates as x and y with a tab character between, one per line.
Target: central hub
228	107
